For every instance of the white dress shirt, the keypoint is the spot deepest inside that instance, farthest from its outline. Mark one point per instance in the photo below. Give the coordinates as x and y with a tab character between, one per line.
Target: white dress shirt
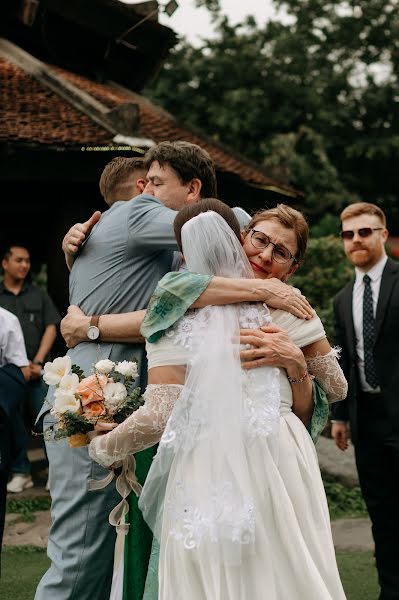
375	275
12	345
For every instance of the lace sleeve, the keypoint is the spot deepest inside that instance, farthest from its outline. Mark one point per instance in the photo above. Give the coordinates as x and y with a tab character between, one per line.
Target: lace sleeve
329	374
141	430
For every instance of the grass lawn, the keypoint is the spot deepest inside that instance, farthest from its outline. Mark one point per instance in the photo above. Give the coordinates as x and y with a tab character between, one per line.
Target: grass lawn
23	566
21	570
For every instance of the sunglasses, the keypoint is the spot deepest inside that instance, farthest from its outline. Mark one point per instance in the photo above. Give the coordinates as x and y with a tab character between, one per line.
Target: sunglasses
364	232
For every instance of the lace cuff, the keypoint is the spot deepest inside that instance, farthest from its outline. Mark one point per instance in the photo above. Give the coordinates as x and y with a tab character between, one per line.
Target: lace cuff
141	430
329	374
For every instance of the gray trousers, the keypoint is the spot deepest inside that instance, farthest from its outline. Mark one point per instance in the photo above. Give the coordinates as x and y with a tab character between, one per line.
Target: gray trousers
81	540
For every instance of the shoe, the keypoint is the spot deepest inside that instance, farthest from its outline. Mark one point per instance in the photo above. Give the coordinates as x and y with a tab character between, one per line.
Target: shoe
19	483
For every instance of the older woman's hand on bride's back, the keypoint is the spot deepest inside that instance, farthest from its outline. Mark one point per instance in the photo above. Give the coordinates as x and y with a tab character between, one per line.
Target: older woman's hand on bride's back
285	297
270	346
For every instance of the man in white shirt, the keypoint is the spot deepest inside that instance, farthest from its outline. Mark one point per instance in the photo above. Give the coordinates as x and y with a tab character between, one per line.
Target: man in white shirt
14	371
366	315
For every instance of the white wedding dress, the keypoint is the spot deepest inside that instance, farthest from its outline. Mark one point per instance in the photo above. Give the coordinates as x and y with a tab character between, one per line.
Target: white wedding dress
290	555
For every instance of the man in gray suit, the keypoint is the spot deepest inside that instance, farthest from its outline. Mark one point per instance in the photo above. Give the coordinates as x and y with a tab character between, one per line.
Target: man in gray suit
116	270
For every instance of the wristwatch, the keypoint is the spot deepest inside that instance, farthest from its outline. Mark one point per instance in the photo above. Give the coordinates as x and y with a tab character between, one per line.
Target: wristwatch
93	332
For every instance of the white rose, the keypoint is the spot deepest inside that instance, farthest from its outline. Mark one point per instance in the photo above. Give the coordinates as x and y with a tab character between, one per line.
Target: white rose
68	384
65	401
104	366
55	371
127	368
114	395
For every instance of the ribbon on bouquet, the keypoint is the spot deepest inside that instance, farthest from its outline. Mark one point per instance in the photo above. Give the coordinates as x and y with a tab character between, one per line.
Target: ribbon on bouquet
126	482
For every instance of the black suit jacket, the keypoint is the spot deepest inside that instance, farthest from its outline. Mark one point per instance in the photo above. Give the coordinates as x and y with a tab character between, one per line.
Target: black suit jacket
386	348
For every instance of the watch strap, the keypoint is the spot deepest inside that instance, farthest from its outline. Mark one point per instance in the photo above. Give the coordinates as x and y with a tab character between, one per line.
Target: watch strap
94	320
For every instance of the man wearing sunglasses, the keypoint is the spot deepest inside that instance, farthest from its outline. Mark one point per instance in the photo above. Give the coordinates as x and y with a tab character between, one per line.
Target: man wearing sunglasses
366	315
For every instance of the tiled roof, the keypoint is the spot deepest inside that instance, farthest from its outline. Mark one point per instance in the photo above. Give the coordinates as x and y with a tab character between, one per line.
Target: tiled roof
32	113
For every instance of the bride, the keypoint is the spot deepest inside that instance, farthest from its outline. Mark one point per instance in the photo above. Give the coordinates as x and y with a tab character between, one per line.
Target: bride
234	495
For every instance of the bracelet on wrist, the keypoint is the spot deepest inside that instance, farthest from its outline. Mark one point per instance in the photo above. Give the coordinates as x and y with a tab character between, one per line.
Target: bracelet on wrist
38	362
301	379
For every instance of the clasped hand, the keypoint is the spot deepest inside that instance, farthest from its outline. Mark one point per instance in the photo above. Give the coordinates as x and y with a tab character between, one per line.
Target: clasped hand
268	346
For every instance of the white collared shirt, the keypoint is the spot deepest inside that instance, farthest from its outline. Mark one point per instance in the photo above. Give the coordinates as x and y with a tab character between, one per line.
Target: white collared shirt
375	275
12	345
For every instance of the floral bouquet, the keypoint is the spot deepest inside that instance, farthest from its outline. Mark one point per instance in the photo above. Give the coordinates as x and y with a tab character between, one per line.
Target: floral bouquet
80	402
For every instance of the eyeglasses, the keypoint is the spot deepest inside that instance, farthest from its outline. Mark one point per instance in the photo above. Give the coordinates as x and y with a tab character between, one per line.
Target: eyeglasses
280	254
364	232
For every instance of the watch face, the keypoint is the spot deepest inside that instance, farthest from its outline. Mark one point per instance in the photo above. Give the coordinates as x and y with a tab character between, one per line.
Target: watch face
93	332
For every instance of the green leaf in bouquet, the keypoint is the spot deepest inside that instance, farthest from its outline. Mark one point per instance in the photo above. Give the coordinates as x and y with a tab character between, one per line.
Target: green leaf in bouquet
78	371
70	424
132	403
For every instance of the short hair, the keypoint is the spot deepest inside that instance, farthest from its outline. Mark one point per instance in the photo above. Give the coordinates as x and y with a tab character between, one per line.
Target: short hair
288	217
188	160
190	211
363	208
117	174
7	249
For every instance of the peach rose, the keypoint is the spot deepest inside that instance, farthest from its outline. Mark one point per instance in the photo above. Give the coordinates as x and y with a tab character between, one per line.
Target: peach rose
93	409
90	389
77	440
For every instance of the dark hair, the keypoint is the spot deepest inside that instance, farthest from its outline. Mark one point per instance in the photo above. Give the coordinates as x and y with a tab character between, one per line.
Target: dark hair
189	161
289	218
363	208
6	251
116	181
192	210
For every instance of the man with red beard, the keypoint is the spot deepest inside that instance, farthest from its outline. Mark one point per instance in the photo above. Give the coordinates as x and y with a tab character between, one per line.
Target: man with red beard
366	315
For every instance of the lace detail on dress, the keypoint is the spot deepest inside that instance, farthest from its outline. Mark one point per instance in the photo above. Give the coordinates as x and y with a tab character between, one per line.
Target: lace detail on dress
254	315
262	405
221	519
192	322
329	374
140	430
261	387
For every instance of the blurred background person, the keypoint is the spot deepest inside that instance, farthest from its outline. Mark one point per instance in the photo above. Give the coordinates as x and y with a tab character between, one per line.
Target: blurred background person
38	317
14	372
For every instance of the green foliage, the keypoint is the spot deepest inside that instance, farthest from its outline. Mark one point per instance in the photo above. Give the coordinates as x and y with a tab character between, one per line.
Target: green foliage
314	99
78	371
323	273
133	402
26	507
343	501
70	424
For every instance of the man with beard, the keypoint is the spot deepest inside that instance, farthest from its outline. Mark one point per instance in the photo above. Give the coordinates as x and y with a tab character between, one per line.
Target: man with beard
366	314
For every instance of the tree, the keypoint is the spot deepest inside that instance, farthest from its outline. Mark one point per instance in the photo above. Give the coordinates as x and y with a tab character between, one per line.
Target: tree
320	92
324	272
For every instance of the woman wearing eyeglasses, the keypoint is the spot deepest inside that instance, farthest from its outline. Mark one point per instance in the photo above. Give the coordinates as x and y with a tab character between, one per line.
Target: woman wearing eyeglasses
239	507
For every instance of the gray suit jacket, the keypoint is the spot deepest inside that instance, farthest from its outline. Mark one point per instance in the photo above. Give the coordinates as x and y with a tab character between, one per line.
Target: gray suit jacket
116	271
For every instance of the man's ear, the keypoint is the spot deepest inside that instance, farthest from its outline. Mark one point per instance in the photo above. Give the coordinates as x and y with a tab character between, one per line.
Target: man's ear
194	191
140	184
243	235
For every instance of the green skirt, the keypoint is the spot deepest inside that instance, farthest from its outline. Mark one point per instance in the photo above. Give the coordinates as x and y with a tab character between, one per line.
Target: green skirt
139	538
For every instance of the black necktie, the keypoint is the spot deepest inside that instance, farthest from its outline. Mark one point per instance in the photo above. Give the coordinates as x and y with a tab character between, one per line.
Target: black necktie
368	333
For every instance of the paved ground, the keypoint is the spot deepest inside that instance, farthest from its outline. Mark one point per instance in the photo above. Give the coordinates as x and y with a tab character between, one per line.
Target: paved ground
348	534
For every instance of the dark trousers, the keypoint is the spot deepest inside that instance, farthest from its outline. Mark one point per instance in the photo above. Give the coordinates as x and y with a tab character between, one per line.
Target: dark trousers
377	460
5	460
